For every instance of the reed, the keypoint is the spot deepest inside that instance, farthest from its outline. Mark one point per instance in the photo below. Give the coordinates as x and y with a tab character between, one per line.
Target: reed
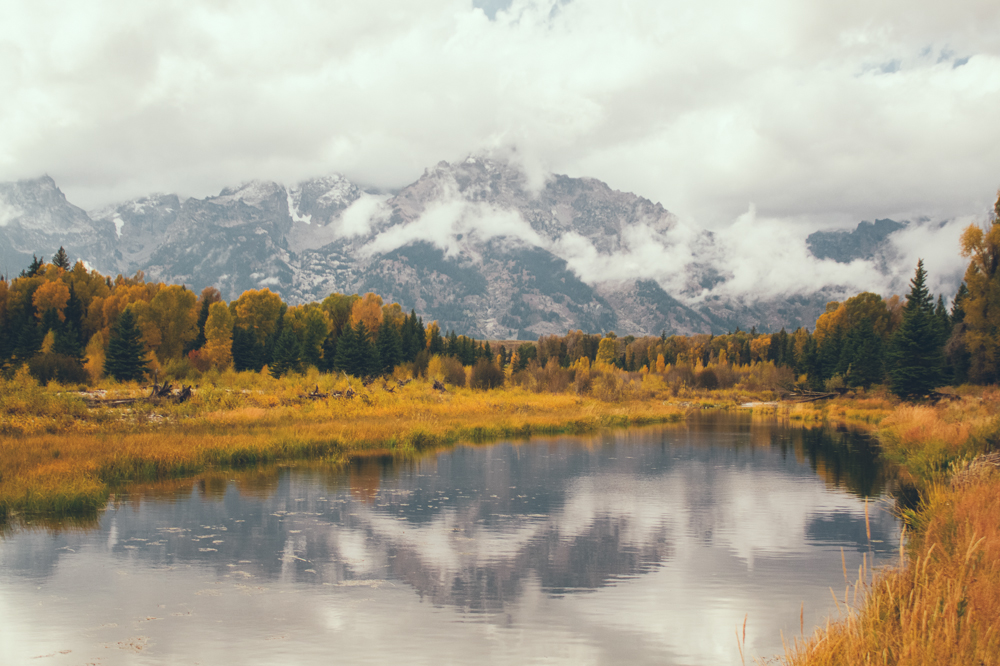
942	608
239	422
942	604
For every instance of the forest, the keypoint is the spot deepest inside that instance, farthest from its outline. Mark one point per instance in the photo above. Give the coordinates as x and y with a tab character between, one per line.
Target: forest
75	326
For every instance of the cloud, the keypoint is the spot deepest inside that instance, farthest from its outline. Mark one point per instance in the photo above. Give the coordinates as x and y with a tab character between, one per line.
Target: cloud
703	107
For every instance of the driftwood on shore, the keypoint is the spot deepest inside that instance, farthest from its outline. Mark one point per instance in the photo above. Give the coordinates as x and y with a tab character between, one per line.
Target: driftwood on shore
158	393
812	396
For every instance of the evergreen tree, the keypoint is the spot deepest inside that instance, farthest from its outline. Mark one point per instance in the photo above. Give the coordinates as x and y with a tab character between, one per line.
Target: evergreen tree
60	259
435	345
329	352
942	319
451	344
199	340
126	355
67	342
348	357
29	338
73	315
390	345
957	306
34	268
248	353
287	354
867	355
369	363
916	353
408	337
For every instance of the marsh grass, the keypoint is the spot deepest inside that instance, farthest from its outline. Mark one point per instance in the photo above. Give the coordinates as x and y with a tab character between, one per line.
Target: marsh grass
71	461
942	608
942	605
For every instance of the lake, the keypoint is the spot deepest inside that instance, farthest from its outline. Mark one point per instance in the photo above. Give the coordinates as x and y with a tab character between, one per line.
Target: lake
642	546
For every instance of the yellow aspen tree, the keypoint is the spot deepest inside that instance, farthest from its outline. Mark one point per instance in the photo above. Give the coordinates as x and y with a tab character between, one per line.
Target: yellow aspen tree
219	336
661	364
94	354
51	295
174	313
982	304
369	312
257	310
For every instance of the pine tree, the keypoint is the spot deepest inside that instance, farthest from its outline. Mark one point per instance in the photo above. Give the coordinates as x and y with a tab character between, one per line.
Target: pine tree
248	353
957	306
67	342
916	354
329	352
34	268
390	345
60	259
435	345
368	358
287	355
126	356
347	358
199	340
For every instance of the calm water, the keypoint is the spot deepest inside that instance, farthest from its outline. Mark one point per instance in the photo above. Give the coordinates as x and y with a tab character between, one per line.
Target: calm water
641	546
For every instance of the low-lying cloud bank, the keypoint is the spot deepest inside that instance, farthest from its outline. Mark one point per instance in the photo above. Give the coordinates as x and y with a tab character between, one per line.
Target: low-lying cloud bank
753	259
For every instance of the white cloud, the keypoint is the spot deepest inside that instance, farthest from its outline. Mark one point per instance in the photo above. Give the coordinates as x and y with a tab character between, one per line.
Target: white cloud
702	107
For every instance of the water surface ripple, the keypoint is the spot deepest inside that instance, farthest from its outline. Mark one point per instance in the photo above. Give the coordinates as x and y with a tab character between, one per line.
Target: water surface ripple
637	546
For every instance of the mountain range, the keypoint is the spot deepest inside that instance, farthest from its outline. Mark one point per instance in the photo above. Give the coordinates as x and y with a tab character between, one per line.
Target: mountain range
475	245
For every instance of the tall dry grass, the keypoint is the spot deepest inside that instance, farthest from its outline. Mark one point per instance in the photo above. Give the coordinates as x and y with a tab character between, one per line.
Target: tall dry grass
941	609
236	421
942	605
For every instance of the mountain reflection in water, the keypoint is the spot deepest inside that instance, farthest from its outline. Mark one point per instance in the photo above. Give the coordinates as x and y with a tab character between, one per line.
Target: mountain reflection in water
675	533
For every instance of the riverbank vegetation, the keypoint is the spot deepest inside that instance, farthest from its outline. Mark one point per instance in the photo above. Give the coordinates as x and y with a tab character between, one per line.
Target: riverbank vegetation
942	604
270	383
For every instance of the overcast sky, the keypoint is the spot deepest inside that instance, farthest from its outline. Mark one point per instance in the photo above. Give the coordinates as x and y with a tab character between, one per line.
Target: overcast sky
827	112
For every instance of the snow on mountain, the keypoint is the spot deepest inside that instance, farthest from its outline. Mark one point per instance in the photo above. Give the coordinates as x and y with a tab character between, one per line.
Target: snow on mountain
474	245
36	219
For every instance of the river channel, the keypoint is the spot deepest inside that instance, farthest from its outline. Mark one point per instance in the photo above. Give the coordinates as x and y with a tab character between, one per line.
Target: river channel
642	546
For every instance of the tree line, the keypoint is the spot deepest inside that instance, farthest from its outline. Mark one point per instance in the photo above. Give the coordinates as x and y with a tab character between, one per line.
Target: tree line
75	325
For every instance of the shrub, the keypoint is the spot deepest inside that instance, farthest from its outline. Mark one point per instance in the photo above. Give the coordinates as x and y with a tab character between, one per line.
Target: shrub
486	375
552	378
62	368
707	379
453	371
181	369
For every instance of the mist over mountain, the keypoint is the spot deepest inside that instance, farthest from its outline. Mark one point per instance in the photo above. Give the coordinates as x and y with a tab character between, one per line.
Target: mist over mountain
483	249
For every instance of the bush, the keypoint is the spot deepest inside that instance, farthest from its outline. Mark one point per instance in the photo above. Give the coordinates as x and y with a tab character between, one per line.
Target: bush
453	371
181	369
486	375
62	368
552	378
707	379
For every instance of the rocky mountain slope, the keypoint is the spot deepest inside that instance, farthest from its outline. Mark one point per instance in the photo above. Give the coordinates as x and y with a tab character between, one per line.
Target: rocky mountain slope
473	245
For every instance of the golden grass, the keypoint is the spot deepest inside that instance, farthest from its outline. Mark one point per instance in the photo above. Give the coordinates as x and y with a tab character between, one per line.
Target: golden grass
944	608
943	605
61	466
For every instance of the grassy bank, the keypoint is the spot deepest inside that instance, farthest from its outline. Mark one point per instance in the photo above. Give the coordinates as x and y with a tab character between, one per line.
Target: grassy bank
59	456
943	605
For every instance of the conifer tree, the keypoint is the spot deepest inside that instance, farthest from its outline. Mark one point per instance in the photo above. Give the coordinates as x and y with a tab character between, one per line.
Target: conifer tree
916	355
287	354
957	306
61	259
435	344
329	352
390	346
126	356
348	357
34	268
67	342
